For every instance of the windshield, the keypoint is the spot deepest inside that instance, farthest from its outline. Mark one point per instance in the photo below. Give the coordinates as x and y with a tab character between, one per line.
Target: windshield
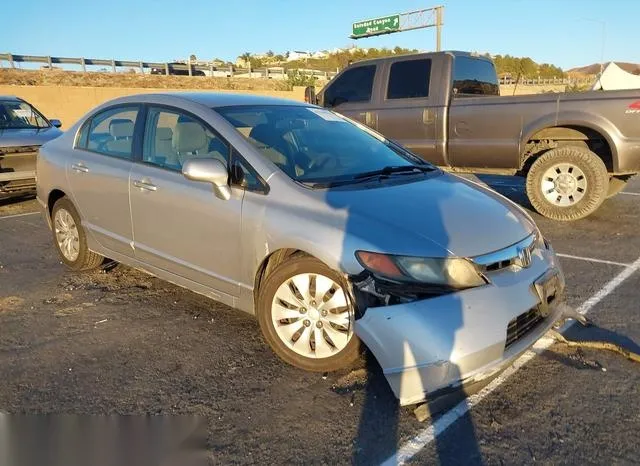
314	145
20	115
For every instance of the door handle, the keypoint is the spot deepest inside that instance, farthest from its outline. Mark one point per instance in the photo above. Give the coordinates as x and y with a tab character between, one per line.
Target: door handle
79	167
146	185
428	116
370	119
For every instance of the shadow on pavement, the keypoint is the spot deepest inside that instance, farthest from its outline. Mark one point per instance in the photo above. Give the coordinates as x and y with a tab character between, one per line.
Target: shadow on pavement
7	199
577	358
595	333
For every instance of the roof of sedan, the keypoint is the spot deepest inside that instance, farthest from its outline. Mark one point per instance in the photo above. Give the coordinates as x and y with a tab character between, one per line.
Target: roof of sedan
9	97
224	99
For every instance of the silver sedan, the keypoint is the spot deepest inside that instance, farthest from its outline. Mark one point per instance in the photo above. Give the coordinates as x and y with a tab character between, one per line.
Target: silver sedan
329	233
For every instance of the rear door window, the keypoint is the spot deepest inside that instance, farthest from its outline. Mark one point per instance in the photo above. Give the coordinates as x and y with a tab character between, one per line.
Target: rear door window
474	76
354	85
409	79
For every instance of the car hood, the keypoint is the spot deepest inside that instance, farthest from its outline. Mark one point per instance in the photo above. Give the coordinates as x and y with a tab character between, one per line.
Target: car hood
10	137
457	216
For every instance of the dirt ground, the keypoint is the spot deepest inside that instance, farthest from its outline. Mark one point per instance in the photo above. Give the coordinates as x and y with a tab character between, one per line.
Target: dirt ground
118	341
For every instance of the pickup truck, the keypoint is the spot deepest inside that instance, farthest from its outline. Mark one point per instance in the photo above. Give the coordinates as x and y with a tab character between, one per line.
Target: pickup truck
575	149
22	131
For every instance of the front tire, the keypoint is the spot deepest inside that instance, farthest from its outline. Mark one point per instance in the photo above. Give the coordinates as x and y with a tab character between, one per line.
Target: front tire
567	183
307	317
70	239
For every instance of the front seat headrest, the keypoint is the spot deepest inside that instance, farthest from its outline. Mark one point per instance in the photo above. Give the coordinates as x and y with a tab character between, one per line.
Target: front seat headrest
189	137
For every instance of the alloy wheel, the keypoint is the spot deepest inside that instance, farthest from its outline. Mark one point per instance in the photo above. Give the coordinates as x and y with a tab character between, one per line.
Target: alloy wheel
67	235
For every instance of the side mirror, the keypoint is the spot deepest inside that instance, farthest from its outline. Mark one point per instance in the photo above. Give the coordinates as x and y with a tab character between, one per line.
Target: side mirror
310	95
212	171
55	123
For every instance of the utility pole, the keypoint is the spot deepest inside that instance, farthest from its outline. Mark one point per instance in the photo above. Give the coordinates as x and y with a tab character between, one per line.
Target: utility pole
439	11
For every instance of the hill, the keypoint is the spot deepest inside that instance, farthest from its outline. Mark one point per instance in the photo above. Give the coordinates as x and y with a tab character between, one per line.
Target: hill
506	65
595	68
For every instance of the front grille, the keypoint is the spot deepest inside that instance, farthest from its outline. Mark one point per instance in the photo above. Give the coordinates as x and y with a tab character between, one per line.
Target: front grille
499	265
522	325
518	254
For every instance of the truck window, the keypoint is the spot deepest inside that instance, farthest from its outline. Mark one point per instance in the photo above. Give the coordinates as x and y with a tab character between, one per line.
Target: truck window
354	85
409	79
474	76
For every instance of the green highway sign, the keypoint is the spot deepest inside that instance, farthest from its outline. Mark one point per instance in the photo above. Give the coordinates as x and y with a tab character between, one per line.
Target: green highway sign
374	27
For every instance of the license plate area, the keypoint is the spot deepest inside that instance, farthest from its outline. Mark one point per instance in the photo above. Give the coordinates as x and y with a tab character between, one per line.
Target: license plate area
548	287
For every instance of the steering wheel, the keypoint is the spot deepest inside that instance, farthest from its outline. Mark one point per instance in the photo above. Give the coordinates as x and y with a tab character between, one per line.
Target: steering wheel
317	163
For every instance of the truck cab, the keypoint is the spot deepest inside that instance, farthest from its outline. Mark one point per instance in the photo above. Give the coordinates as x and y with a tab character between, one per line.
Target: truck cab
403	98
575	149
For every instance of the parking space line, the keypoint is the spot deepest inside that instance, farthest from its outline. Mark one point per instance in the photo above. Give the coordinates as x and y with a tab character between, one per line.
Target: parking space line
630	194
414	445
18	215
591	259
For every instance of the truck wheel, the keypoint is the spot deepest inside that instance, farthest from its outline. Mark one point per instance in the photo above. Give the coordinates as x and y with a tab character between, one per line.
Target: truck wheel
307	317
616	184
70	239
567	183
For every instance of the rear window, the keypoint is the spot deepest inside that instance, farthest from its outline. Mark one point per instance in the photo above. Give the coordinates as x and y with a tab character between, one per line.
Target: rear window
354	85
474	76
409	79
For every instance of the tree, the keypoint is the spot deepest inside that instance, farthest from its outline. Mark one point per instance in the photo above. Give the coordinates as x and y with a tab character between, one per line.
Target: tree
192	57
270	53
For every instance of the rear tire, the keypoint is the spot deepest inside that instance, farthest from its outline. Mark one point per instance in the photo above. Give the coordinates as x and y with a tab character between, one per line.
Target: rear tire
70	238
307	317
567	183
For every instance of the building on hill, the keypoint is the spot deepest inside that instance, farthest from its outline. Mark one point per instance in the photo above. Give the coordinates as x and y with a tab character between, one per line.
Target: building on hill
298	55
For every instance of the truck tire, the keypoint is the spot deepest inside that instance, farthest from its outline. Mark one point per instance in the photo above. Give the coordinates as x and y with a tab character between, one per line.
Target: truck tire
567	183
307	317
617	184
70	238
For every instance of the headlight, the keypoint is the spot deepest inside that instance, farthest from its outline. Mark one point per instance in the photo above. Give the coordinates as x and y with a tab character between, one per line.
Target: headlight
449	272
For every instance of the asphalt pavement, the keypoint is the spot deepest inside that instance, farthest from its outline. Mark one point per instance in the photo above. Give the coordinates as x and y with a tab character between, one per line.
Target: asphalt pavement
118	341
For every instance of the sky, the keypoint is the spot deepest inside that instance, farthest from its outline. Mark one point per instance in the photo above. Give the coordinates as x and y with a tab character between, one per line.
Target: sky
566	33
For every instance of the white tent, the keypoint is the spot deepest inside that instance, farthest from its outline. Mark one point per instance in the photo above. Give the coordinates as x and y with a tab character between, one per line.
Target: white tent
613	77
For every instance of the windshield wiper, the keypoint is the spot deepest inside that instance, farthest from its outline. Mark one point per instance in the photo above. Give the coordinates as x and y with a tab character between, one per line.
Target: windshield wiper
389	170
382	173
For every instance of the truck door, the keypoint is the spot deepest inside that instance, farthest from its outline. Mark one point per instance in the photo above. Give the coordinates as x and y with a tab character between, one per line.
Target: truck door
352	94
410	109
484	128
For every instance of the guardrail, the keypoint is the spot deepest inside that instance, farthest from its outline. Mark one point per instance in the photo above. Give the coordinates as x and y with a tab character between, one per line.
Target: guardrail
190	69
197	69
546	81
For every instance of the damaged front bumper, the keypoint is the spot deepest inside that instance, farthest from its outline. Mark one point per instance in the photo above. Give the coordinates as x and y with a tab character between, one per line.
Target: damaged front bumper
17	169
431	345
